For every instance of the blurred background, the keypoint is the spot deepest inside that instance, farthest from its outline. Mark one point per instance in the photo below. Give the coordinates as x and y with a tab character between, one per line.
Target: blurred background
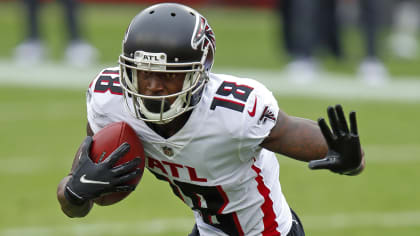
363	54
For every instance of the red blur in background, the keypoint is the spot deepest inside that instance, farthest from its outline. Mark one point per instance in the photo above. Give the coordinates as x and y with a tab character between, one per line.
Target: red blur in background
251	3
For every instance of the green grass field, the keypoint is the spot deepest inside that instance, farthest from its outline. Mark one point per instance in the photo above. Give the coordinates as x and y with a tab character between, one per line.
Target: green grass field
41	129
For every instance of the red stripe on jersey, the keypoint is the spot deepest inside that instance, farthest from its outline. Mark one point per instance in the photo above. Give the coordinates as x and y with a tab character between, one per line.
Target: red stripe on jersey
238	225
225	199
228	100
269	218
198	200
234	215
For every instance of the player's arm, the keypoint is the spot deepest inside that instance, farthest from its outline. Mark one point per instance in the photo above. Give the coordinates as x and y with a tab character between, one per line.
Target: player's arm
88	180
305	140
71	209
297	138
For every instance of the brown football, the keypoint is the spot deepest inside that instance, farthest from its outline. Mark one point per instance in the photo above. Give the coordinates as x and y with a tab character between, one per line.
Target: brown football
105	141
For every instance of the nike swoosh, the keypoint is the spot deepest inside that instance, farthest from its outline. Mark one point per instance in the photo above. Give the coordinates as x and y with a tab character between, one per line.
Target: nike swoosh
252	113
88	181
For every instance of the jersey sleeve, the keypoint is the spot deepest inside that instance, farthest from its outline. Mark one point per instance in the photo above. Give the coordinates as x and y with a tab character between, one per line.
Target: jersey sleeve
103	97
258	120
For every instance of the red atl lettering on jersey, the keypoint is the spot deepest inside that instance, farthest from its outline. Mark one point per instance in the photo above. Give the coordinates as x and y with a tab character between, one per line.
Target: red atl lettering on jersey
193	175
152	163
174	169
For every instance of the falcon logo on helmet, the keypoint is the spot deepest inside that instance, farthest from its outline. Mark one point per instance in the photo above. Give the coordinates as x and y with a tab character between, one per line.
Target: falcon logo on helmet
203	34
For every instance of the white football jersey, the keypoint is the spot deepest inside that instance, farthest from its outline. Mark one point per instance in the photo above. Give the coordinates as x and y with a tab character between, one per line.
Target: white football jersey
214	164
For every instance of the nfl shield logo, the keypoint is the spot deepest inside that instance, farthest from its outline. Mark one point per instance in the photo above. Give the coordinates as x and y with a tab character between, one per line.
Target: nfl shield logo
168	151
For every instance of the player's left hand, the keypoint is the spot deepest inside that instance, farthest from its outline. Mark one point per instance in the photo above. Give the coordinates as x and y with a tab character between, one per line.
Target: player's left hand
344	151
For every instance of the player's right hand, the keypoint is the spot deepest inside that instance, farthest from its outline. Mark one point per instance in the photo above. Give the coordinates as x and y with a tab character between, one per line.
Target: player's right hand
90	180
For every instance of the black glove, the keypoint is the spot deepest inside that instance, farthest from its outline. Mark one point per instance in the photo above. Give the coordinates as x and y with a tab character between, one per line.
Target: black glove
90	180
344	152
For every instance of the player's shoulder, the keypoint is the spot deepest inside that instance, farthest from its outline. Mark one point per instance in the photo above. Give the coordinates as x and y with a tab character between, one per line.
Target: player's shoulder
105	91
238	101
108	79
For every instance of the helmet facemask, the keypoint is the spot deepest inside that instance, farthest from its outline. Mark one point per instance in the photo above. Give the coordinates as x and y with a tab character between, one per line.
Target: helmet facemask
142	106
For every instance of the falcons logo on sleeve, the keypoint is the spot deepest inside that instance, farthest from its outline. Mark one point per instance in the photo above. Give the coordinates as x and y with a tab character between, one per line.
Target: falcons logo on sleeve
267	115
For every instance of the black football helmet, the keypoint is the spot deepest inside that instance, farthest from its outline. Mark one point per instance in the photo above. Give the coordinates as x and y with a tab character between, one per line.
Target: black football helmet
170	38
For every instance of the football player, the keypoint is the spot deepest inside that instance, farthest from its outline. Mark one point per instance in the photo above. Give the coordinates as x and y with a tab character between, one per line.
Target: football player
212	137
